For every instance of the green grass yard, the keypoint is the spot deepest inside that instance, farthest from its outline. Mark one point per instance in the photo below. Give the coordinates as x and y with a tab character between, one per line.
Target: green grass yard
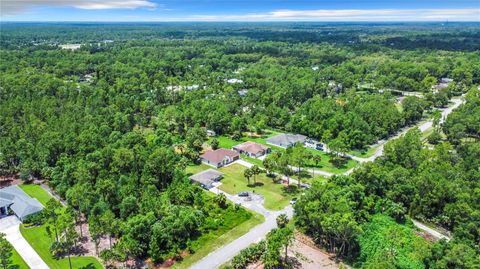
37	192
38	238
364	153
193	168
275	194
327	166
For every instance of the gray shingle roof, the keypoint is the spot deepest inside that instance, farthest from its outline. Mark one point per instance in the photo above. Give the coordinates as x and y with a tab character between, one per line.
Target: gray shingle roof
286	140
22	204
4	202
207	177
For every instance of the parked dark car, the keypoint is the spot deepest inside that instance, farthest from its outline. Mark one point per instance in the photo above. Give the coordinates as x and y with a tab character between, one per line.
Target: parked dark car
243	194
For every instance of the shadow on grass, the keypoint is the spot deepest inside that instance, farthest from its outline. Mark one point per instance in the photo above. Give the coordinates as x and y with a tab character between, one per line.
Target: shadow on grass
291	189
305	174
256	184
88	266
275	179
339	162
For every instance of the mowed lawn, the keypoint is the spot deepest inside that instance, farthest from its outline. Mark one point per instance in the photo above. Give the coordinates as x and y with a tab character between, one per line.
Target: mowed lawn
38	238
275	194
37	192
364	153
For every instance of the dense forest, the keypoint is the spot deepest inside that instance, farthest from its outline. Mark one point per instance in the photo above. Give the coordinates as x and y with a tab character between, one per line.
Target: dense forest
356	216
99	124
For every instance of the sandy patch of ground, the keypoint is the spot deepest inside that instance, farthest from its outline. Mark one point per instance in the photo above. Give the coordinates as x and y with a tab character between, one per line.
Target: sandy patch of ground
304	254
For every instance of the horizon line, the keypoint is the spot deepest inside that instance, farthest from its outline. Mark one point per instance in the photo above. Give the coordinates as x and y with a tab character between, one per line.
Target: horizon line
236	21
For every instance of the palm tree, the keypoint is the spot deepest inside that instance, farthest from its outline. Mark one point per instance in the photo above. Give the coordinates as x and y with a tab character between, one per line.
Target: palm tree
247	174
255	170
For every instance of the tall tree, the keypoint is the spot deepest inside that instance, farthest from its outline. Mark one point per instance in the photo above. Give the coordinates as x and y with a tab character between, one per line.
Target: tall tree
6	251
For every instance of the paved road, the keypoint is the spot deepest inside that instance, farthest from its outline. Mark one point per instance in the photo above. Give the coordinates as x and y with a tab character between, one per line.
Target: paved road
11	227
424	126
227	252
429	230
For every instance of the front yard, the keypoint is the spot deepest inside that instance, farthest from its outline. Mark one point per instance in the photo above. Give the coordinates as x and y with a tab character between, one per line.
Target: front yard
38	238
40	241
276	195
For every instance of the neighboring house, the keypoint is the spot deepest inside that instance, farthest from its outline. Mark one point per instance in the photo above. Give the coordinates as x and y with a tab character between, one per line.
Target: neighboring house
252	149
19	202
234	81
243	92
207	178
177	88
211	133
444	82
220	157
286	140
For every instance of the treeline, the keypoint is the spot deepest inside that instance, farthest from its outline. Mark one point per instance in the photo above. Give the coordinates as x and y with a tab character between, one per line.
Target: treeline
93	148
436	185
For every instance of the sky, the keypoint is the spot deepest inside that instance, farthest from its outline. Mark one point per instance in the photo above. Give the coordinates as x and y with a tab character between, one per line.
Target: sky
238	10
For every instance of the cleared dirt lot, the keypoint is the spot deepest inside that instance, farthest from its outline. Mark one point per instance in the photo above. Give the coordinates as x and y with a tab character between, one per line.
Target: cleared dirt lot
305	255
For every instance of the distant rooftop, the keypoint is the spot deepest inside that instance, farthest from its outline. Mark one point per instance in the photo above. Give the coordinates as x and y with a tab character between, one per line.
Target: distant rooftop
286	140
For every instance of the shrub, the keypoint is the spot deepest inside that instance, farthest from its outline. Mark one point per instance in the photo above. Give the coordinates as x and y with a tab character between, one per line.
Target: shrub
248	255
434	138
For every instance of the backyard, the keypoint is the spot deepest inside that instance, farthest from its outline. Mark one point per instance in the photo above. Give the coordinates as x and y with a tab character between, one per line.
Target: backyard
38	238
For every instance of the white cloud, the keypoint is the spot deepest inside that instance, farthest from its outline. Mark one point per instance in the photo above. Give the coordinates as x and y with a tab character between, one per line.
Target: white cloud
14	7
351	15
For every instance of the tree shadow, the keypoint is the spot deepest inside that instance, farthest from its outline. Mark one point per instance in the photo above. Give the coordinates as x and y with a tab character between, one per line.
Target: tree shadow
256	184
293	262
339	162
88	266
290	189
306	174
